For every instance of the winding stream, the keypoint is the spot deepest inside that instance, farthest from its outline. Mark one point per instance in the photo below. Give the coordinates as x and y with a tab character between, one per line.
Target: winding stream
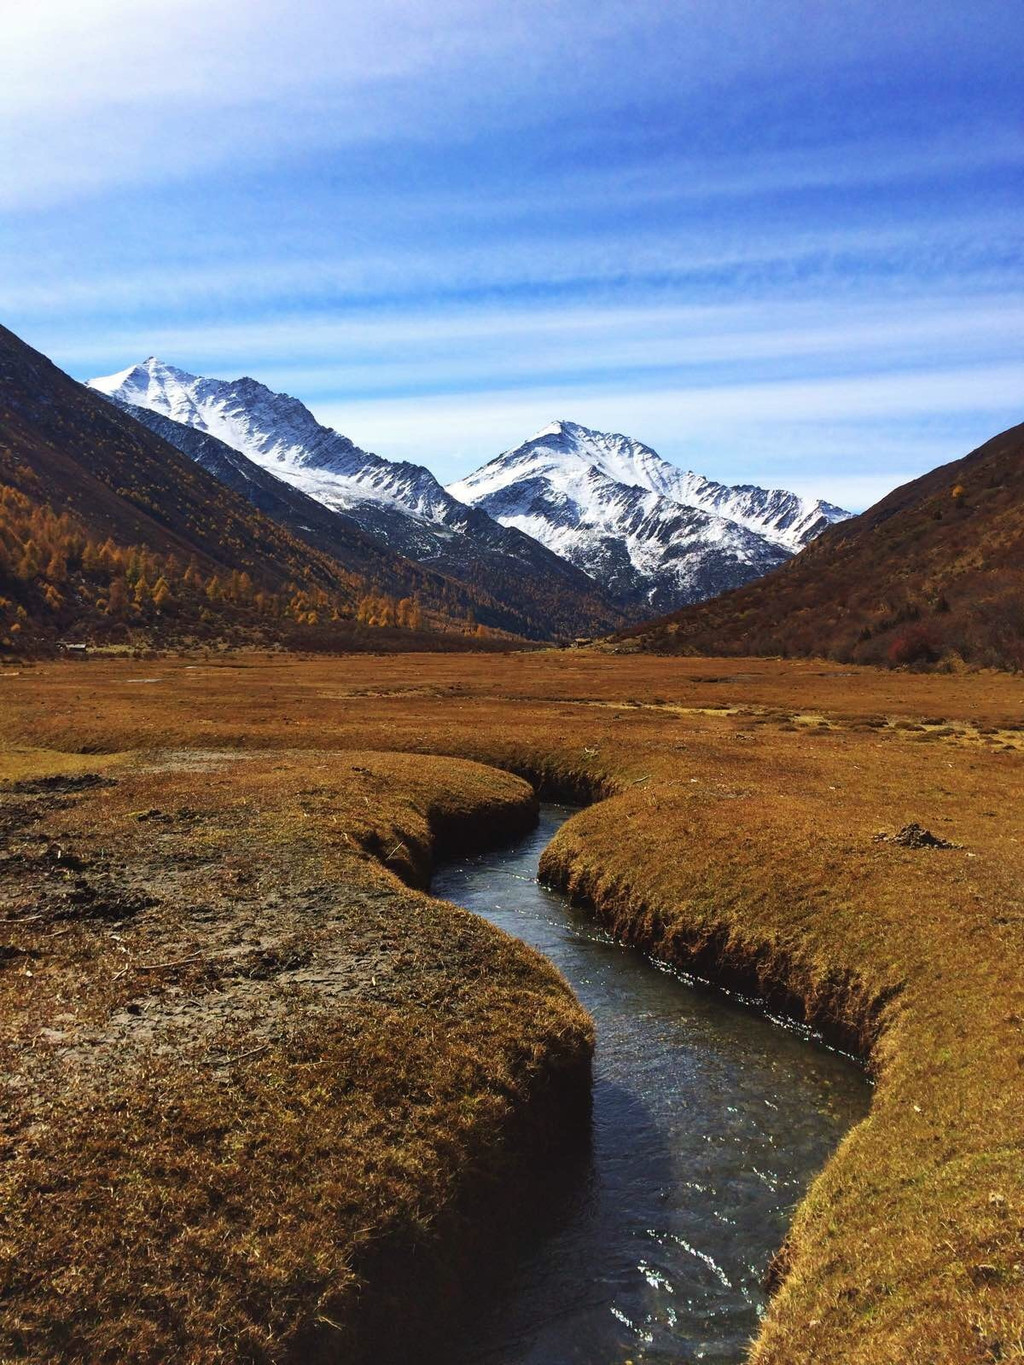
709	1121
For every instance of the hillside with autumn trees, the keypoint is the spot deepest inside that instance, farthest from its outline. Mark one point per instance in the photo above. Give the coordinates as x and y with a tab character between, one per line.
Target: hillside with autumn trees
108	532
507	580
932	575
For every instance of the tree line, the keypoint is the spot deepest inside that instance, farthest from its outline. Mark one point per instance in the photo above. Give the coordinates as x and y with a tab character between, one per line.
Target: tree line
53	573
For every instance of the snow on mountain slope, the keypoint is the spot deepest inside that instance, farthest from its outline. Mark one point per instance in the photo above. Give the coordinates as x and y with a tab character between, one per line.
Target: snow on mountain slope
324	528
617	509
563	447
401	505
281	434
781	517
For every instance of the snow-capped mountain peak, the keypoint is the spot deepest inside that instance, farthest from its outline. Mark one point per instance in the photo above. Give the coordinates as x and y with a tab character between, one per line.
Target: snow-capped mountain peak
563	450
275	431
614	507
152	377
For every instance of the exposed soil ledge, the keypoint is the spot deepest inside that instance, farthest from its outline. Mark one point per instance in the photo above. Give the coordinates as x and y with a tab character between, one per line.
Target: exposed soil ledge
836	1005
264	1102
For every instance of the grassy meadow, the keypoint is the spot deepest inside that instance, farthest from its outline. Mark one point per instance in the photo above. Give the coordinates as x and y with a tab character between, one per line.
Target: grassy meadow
249	1059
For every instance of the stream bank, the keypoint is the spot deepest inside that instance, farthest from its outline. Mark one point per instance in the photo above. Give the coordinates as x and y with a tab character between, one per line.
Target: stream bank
709	1121
256	1084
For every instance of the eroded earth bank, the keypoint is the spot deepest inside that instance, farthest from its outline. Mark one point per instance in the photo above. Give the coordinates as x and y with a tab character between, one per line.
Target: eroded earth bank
257	1087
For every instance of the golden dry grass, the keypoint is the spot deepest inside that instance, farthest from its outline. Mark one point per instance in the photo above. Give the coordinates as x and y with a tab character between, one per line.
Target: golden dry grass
744	797
247	1070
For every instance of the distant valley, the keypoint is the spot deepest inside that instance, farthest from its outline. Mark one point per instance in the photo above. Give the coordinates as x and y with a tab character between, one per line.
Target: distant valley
159	506
597	520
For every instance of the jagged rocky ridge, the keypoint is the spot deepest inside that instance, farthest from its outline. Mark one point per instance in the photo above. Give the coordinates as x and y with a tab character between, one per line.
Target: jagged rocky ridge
655	534
398	505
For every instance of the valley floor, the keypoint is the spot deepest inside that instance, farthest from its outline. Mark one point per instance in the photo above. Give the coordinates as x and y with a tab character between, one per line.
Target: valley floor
248	1063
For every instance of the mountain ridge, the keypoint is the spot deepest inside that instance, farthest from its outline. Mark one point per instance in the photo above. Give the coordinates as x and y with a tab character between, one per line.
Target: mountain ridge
399	504
932	573
331	532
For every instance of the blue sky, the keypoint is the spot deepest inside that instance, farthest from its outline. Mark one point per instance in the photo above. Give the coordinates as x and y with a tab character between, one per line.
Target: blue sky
780	242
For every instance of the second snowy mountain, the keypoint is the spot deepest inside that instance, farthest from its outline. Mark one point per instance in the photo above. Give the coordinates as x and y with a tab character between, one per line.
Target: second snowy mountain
653	534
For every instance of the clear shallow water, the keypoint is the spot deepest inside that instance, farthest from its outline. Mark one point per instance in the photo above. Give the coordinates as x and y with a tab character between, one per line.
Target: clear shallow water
709	1122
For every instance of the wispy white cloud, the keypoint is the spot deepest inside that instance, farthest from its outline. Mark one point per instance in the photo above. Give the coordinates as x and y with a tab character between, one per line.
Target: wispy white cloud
100	93
483	349
751	233
833	436
561	258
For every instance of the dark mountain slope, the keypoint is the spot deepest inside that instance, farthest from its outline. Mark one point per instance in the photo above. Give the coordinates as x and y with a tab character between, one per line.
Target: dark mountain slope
506	579
332	533
105	526
934	571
